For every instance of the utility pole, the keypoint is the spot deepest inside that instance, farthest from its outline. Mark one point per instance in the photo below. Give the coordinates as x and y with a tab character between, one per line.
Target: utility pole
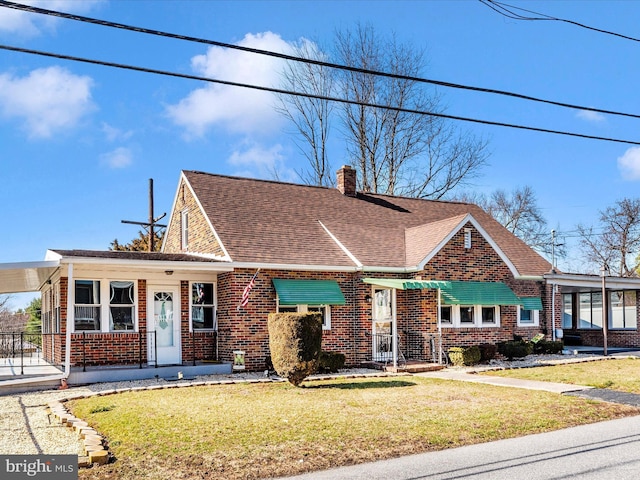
152	222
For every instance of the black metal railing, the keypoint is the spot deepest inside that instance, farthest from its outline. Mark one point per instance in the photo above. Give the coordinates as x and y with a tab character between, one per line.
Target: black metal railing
418	346
21	352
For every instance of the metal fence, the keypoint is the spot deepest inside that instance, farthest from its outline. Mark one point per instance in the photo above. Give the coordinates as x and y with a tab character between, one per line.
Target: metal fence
24	353
416	346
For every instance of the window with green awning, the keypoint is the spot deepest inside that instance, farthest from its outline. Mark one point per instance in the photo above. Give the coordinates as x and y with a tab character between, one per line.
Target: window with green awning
531	303
308	292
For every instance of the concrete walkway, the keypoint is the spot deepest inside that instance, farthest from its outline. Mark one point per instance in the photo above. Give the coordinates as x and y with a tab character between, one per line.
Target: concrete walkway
449	374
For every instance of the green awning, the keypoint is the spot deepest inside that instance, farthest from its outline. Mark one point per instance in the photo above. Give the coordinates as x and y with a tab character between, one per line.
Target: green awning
406	284
308	292
479	293
531	303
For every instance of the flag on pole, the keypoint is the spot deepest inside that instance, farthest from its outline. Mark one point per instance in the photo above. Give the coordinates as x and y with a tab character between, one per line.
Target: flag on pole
247	291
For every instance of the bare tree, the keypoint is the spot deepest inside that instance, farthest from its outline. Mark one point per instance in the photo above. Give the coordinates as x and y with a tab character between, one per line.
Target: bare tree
394	152
615	242
518	212
397	152
311	117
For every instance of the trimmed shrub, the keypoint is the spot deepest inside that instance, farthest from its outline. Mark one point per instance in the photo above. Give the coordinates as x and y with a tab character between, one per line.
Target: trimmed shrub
514	349
460	356
487	352
295	342
331	362
548	347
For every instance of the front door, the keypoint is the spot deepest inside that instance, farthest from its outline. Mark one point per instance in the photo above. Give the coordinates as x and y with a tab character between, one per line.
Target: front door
163	314
382	325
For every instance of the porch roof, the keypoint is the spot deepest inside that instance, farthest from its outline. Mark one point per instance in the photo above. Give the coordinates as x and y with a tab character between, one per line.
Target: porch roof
25	276
406	284
308	292
456	292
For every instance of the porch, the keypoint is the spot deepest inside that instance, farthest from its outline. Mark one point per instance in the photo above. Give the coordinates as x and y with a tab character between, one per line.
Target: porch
35	361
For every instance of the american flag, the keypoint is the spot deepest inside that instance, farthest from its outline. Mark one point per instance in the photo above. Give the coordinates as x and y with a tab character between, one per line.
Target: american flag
247	290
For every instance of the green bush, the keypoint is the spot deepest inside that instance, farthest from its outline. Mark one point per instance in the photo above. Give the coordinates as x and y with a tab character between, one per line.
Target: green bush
460	356
295	341
487	352
515	349
331	362
548	347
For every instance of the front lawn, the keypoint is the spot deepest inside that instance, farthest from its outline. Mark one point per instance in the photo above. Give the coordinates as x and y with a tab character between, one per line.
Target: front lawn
616	374
273	429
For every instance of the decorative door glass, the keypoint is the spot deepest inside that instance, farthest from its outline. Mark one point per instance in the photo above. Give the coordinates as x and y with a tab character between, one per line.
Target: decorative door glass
163	316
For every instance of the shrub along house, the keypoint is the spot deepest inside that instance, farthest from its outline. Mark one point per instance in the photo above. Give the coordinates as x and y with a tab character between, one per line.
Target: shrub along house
393	277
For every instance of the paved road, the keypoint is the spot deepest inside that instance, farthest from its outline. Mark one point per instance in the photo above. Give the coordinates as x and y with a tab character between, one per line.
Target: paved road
602	451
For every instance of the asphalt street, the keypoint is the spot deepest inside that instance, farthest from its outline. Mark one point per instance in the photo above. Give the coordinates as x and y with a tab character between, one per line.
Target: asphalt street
605	450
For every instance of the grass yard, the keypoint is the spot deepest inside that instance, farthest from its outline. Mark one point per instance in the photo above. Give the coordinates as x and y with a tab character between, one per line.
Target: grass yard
616	374
273	429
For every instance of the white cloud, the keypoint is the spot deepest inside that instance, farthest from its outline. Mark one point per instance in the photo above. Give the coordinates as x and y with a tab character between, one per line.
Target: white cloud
256	161
26	24
590	116
115	134
629	164
48	100
240	110
118	158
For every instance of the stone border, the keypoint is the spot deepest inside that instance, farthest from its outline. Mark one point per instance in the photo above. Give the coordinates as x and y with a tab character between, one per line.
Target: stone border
96	447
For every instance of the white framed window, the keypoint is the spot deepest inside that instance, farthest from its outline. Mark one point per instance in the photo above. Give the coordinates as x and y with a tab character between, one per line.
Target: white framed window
567	311
489	315
90	309
528	318
325	310
446	315
467	315
622	310
470	316
87	306
184	230
121	305
56	304
203	306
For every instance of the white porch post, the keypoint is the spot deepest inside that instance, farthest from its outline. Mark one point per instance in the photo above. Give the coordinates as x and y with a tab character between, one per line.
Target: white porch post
71	300
394	328
439	318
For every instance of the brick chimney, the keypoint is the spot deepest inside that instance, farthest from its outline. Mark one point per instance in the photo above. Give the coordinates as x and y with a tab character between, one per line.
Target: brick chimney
346	177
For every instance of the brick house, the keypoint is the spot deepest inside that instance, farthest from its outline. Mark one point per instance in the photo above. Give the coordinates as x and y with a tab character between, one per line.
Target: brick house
392	277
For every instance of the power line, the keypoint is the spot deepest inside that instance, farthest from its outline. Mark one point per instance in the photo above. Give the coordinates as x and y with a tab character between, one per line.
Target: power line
504	9
308	95
106	23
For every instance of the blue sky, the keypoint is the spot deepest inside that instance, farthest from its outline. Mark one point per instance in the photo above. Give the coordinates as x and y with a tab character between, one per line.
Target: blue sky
79	142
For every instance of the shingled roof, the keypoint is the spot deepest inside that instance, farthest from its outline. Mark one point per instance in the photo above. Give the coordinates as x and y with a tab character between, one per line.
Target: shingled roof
282	223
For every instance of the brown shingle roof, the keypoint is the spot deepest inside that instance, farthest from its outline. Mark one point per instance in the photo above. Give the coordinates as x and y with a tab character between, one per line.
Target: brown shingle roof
126	255
281	223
